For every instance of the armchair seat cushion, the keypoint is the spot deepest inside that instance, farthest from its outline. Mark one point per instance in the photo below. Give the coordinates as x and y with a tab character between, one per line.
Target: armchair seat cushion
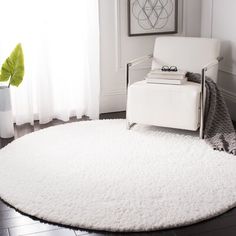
173	106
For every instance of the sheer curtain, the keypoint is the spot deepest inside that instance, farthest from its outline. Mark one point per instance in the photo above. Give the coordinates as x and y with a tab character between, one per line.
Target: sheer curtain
60	39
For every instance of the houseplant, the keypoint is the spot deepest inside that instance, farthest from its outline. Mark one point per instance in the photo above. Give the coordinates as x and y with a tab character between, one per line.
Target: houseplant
11	74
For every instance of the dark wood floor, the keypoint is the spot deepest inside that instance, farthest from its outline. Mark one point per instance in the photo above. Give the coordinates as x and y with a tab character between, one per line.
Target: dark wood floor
15	224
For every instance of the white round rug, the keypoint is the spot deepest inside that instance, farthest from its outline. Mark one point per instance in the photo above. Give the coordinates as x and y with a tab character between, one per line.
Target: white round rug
98	175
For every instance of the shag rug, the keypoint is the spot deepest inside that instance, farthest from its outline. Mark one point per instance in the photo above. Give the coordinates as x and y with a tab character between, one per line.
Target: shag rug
98	175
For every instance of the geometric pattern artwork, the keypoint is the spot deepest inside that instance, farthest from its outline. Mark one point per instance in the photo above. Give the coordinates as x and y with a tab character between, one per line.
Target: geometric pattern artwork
152	16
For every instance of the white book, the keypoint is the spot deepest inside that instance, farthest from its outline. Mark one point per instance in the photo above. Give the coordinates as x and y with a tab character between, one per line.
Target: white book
173	76
159	74
166	81
172	73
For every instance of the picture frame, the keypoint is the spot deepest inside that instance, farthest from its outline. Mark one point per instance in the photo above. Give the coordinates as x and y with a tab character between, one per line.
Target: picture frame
151	17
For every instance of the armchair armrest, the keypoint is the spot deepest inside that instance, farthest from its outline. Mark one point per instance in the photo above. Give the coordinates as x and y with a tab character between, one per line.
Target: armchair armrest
212	63
203	82
135	62
139	60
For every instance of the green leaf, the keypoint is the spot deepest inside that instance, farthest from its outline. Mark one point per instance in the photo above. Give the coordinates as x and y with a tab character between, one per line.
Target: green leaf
13	67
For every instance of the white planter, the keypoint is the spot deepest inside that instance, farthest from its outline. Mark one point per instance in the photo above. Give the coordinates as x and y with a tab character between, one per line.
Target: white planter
6	117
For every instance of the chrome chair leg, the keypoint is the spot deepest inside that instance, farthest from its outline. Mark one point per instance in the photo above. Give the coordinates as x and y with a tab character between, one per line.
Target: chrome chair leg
203	81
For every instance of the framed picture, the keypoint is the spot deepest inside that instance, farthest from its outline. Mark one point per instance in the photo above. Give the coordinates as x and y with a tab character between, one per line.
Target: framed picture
148	17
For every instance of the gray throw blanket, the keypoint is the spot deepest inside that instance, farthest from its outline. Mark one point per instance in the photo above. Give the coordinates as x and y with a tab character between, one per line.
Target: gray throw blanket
219	131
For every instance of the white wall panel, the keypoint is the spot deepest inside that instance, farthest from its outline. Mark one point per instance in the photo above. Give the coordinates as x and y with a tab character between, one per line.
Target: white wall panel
218	21
117	48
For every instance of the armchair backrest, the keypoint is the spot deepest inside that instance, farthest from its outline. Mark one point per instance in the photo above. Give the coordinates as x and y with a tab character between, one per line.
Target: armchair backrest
187	53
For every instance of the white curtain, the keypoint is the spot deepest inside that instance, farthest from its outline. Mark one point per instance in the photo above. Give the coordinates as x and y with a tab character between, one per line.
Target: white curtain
60	39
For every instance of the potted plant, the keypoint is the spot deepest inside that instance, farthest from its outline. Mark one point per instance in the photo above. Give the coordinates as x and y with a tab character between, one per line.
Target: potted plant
11	74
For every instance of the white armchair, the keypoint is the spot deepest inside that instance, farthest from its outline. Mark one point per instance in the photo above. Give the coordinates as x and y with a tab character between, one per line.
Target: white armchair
174	106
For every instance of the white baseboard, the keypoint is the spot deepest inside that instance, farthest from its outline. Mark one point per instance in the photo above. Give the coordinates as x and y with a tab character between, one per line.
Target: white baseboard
113	102
229	95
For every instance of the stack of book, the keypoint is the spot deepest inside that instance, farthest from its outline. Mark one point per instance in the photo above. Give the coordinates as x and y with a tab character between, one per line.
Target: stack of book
166	77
